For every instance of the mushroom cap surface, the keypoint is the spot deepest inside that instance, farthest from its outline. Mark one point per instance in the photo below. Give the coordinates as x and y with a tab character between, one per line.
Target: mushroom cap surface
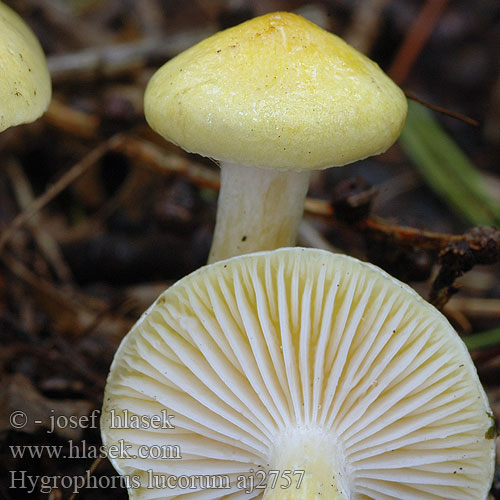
276	92
251	353
25	85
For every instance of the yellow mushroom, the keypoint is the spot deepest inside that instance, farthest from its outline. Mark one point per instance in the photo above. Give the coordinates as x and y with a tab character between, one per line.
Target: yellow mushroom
272	99
315	374
25	86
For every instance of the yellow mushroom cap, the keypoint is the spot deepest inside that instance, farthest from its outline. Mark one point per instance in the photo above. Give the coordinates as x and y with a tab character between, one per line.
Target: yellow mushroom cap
25	86
276	92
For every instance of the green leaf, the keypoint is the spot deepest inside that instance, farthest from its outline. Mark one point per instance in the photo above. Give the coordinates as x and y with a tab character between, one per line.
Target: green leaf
446	169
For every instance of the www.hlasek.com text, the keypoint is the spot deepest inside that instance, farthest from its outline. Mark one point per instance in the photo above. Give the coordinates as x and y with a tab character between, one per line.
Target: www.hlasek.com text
81	449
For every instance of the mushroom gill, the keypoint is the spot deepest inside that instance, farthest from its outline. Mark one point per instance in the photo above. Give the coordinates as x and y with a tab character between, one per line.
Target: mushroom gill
312	373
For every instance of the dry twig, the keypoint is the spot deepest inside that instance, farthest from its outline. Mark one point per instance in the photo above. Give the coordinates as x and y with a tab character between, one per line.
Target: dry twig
415	39
111	60
43	239
76	171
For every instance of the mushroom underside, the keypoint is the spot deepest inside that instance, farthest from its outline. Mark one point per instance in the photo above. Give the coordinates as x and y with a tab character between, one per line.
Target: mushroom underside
297	368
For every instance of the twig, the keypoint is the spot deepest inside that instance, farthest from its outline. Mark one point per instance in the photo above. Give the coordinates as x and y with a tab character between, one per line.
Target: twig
410	49
93	383
415	39
111	60
480	245
148	153
475	307
83	309
319	208
440	109
76	171
409	236
46	243
457	253
137	182
71	120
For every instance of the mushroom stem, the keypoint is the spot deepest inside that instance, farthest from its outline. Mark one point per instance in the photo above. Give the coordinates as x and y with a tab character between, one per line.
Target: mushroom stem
258	209
307	468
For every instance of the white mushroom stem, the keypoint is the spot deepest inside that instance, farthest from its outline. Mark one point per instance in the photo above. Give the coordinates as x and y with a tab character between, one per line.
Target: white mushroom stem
258	209
307	468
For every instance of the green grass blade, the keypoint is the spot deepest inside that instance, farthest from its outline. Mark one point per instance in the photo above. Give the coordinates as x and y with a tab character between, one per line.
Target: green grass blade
483	340
446	169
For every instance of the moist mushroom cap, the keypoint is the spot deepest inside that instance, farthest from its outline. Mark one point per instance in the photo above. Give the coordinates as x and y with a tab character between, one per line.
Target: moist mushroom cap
262	352
276	92
25	86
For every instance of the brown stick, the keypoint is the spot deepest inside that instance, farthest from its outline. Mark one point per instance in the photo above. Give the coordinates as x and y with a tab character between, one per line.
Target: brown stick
71	120
151	155
111	60
410	236
415	39
76	171
44	240
440	109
